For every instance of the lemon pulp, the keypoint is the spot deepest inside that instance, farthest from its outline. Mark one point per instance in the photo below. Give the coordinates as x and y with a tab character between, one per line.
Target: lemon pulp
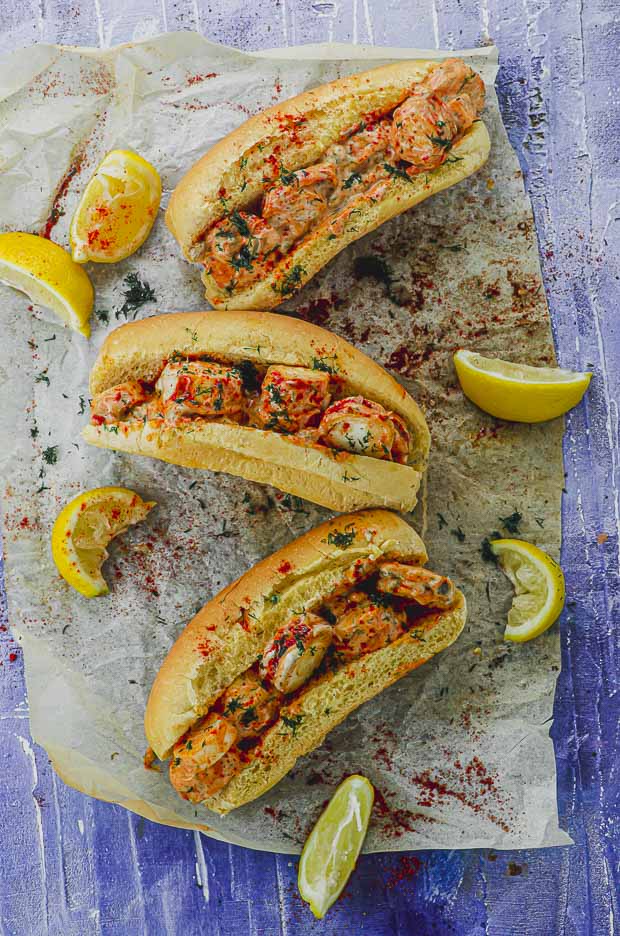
539	588
47	274
83	529
518	392
117	209
333	846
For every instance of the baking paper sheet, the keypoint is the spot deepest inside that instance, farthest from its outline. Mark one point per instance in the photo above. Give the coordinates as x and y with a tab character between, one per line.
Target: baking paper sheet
459	751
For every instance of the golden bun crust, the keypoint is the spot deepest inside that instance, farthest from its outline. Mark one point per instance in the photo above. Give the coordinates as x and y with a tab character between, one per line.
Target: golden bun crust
235	165
220	642
329	700
333	479
339	481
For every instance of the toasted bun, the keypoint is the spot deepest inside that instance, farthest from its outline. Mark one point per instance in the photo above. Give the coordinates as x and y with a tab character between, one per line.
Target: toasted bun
337	480
221	642
235	165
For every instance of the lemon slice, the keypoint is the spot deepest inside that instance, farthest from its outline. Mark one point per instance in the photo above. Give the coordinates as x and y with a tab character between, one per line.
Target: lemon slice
117	210
518	392
539	588
334	844
83	529
48	275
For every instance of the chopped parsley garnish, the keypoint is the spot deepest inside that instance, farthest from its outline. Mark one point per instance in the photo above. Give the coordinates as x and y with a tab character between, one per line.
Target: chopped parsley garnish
353	179
136	294
243	260
341	539
50	455
249	716
287	177
321	364
193	334
485	548
291	281
441	520
273	599
459	534
511	523
103	315
240	223
347	477
42	377
82	405
219	400
232	706
293	723
397	173
249	375
445	145
275	395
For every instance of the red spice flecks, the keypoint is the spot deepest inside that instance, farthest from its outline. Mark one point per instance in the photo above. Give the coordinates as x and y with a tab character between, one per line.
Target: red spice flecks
24	523
317	311
63	187
474	786
406	868
405	361
205	648
394	820
488	432
285	567
196	79
12	657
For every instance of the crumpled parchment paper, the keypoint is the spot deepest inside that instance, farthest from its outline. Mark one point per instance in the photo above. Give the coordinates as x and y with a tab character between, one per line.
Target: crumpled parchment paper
459	751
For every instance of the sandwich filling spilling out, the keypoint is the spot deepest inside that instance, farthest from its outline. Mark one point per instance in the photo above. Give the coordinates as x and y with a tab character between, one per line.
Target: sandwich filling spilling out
373	606
415	137
307	404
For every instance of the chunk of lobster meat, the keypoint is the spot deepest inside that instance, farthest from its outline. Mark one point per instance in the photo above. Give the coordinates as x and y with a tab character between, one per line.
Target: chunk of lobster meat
114	404
201	388
435	115
367	627
249	705
296	651
416	584
291	398
361	427
295	205
235	244
359	152
208	782
453	78
200	749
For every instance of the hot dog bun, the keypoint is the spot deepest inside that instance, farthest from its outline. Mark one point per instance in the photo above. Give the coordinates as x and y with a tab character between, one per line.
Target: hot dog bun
218	645
236	166
334	479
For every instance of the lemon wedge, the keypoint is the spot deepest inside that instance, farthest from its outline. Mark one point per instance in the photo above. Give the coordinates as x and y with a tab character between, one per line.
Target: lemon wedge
83	529
334	844
518	392
539	588
117	210
47	274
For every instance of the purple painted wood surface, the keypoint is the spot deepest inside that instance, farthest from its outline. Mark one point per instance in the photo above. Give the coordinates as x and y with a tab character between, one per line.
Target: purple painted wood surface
76	867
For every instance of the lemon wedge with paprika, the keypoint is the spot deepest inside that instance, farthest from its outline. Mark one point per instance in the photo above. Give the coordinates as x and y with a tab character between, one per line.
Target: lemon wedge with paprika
117	210
518	392
333	846
539	588
83	529
47	274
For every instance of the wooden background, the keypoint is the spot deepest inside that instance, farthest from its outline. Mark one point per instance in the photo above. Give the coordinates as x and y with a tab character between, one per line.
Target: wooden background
71	866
